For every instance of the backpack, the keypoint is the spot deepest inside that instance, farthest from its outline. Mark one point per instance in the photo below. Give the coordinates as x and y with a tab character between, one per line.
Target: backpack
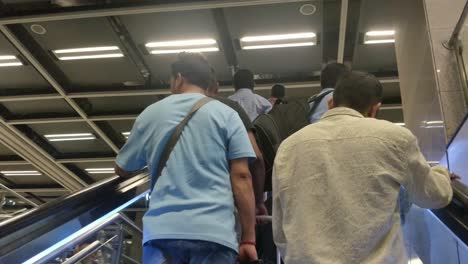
282	121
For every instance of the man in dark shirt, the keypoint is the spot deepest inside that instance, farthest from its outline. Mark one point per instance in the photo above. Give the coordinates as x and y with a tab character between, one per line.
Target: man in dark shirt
257	168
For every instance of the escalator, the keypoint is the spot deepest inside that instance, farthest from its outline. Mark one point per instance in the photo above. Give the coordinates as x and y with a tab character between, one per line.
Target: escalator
88	226
97	224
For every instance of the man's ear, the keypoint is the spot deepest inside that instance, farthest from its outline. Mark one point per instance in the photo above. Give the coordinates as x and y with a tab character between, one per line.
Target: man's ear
374	110
331	104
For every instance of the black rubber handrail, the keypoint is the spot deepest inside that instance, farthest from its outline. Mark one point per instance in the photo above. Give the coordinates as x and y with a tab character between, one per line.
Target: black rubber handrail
87	194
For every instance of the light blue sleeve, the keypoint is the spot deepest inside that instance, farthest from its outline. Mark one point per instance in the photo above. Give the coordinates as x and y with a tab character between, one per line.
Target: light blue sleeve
266	105
239	145
132	156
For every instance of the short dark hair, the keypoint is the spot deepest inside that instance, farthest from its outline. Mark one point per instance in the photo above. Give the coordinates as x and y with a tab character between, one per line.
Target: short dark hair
194	67
278	91
331	74
358	90
244	78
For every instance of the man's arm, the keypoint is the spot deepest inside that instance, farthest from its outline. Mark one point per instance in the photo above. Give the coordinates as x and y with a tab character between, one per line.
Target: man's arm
241	182
258	173
427	187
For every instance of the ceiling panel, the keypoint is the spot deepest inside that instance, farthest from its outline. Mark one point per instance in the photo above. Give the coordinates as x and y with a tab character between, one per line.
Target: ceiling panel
122	125
175	26
15	79
52	107
97	165
375	15
276	19
42	179
122	105
76	147
87	33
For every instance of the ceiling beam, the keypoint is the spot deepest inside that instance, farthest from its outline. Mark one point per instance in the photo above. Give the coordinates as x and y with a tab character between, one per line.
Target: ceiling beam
224	35
38	190
42	62
342	36
130	48
16	141
99	11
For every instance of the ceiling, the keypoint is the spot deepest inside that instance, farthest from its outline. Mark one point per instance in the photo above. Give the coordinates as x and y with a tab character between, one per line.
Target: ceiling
103	96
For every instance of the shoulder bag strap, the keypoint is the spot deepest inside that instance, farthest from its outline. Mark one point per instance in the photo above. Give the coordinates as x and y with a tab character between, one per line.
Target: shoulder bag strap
177	133
316	100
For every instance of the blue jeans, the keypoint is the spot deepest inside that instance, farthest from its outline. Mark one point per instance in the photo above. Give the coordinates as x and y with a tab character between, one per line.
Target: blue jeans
172	251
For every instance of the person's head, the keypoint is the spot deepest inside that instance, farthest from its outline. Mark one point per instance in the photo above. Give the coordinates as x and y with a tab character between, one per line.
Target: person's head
190	71
359	91
331	74
243	79
278	91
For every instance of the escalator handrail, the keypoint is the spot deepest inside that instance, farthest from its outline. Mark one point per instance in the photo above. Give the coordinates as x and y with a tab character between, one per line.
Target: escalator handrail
37	214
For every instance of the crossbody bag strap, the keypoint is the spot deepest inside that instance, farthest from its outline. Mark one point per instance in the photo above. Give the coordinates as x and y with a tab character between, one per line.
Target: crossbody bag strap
316	100
177	133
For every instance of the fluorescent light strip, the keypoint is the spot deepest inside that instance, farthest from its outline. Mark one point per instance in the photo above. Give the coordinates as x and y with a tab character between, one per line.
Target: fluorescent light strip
71	139
181	43
434	122
7	57
68	135
97	56
305	35
171	51
100	170
126	133
274	46
400	124
379	41
21	173
10	64
90	49
380	33
41	257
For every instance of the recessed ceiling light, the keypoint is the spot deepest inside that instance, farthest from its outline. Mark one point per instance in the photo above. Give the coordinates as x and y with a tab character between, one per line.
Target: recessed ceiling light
380	33
9	61
100	170
305	35
21	173
274	46
308	9
171	51
178	46
181	43
70	137
38	29
88	53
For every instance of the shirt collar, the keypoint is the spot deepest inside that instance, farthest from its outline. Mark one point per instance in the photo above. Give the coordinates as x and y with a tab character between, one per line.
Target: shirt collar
244	90
340	111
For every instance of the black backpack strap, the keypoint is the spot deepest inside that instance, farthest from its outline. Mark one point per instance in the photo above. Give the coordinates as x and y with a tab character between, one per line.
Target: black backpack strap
316	99
177	133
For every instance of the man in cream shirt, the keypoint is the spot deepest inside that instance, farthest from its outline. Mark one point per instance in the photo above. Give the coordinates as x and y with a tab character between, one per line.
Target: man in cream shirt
336	183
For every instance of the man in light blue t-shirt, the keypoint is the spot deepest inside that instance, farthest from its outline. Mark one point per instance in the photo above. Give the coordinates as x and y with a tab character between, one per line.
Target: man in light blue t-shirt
191	213
328	79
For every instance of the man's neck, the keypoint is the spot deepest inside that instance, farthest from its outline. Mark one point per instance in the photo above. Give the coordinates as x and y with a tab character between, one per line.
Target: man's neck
191	89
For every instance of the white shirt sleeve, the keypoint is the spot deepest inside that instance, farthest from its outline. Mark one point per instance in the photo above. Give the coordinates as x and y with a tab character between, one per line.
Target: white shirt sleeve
427	187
